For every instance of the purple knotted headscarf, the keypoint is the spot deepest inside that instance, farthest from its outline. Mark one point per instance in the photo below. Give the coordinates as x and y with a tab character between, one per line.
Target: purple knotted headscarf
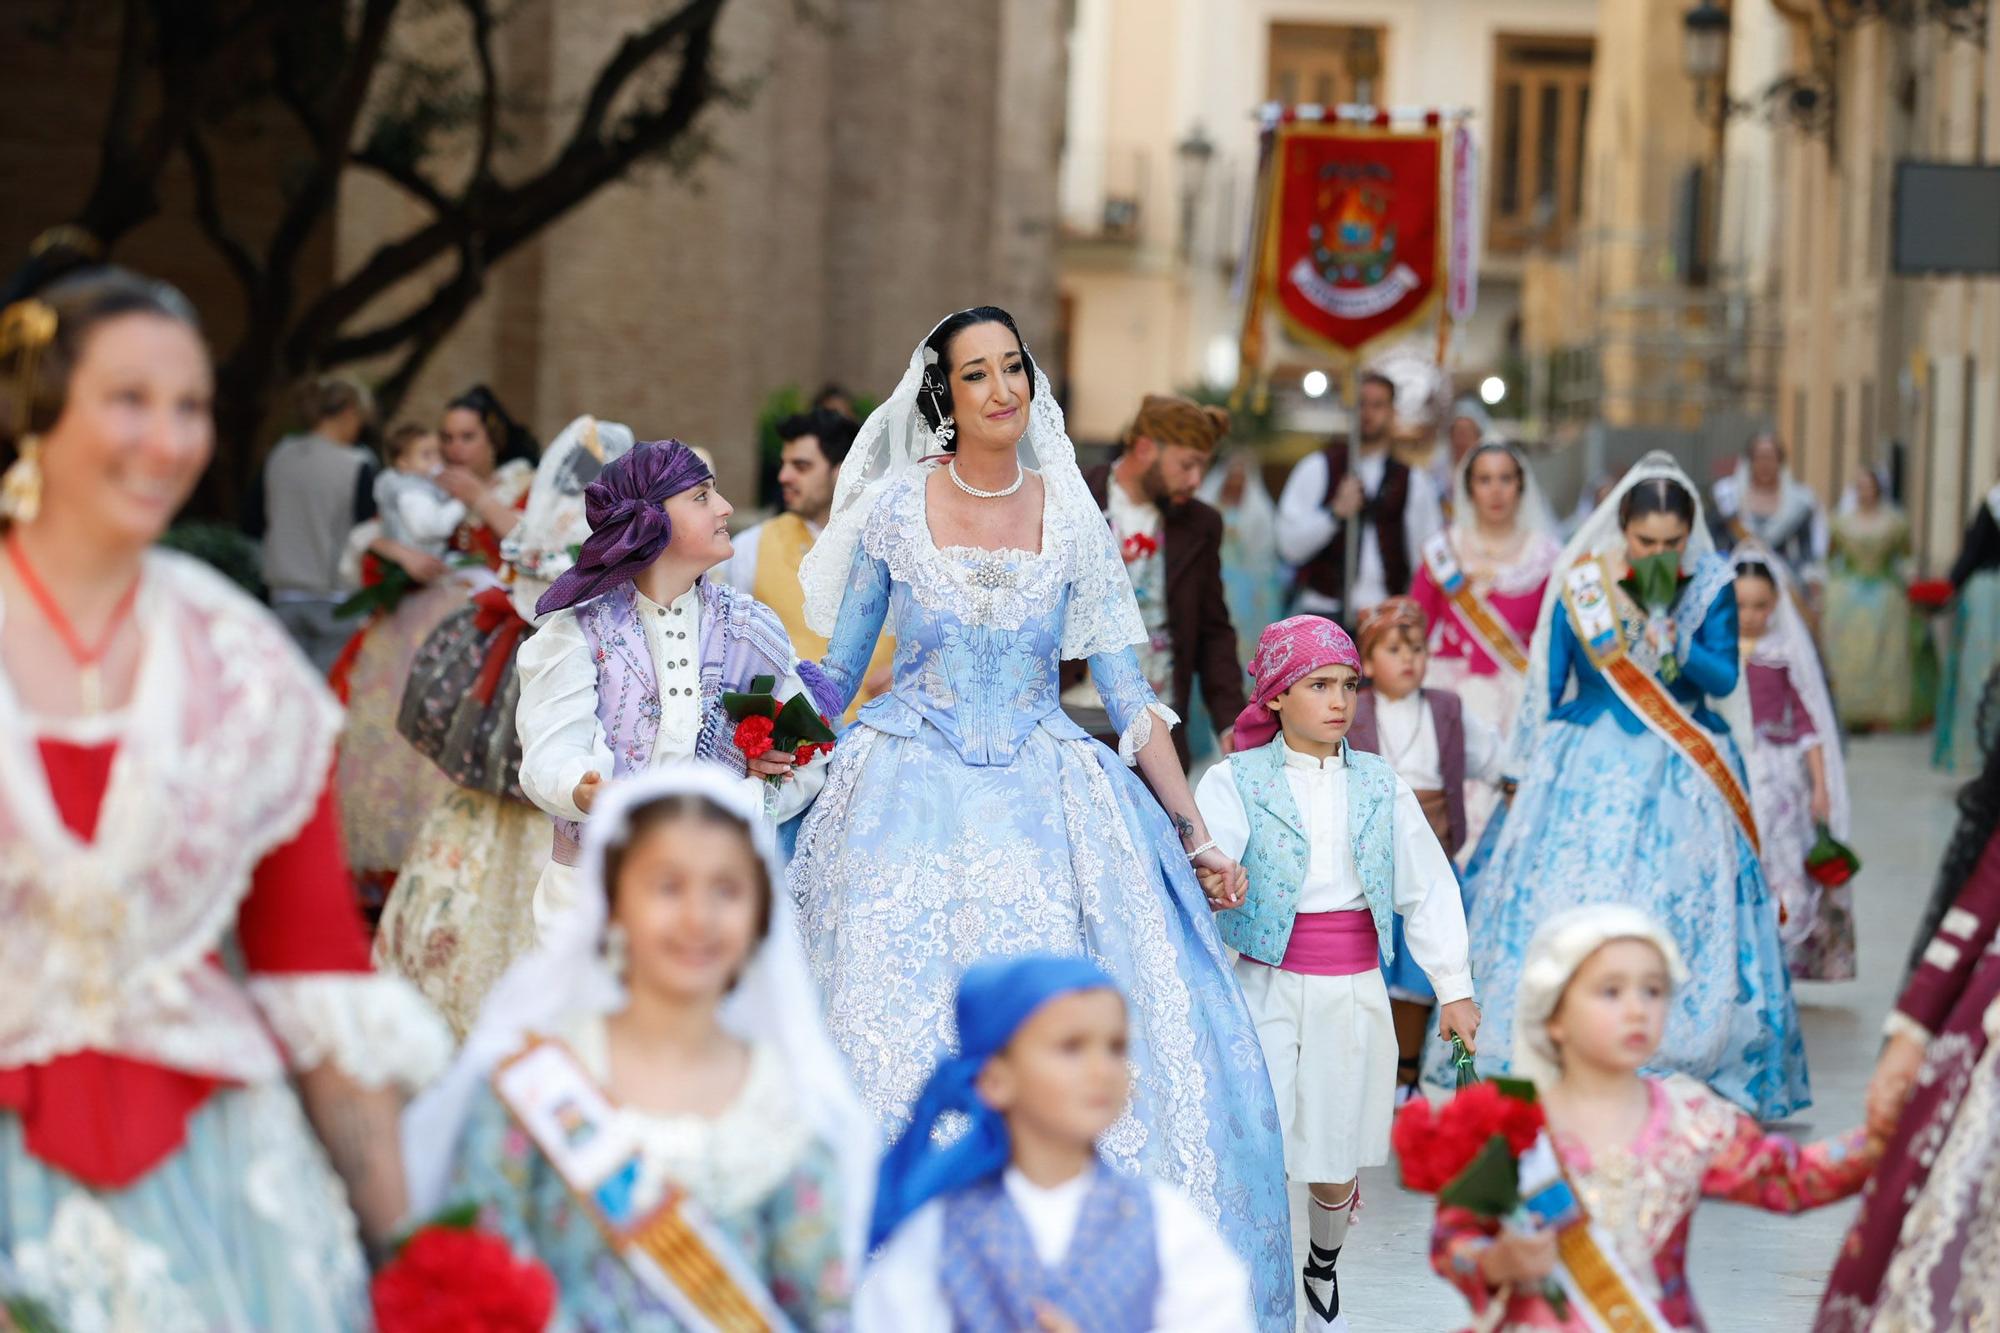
628	528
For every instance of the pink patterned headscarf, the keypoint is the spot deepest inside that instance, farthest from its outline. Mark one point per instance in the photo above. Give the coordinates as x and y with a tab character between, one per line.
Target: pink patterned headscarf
1288	652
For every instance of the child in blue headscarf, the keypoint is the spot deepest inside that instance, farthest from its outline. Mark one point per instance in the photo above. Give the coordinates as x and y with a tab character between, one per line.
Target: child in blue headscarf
1018	1224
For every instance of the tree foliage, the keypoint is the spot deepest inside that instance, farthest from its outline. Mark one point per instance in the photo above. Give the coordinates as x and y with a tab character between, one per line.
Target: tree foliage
411	91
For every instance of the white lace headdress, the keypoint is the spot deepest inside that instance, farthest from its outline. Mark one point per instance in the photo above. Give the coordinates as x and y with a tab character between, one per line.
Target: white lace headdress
1534	514
1103	614
1789	642
1602	534
567	976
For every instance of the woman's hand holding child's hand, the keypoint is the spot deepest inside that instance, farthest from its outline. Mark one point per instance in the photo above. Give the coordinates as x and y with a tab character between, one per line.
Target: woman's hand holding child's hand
1895	1074
1222	880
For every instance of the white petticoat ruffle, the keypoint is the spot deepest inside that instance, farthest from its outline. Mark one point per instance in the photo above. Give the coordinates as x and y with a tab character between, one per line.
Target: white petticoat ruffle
376	1028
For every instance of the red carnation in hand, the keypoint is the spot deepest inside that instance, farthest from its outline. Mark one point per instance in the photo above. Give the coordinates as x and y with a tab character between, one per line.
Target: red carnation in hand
753	736
450	1280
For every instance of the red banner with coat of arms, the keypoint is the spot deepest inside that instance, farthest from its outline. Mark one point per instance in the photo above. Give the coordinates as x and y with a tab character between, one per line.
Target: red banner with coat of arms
1353	248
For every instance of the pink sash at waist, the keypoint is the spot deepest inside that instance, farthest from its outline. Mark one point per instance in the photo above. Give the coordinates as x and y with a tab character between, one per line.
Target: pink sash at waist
1332	944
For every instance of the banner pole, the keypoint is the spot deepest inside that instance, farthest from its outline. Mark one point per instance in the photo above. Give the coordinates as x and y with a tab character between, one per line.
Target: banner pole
1350	389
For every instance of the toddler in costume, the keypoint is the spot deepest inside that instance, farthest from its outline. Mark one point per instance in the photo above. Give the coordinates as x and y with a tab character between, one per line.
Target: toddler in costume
1335	845
412	507
1434	744
1640	1152
1018	1224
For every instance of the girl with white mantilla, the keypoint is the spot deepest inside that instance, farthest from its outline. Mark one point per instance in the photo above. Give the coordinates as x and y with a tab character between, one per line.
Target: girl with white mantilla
663	1038
965	814
1632	789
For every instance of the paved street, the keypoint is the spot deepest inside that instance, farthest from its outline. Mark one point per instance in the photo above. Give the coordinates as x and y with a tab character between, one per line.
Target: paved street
1750	1270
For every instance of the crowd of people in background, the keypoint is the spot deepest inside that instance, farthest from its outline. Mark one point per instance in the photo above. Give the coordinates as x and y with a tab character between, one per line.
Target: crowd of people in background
1167	838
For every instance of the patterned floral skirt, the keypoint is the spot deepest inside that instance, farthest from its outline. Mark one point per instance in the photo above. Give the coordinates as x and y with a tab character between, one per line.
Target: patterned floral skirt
387	786
463	906
1875	651
1605	816
913	864
1816	923
245	1228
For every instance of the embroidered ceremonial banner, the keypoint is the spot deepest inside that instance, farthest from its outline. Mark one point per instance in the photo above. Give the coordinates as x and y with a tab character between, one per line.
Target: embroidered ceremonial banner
1587	593
1354	249
673	1249
1473	612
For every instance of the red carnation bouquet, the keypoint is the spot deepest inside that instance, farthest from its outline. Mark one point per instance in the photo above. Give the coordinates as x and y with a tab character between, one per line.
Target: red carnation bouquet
1831	863
449	1276
1930	594
1486	1151
764	725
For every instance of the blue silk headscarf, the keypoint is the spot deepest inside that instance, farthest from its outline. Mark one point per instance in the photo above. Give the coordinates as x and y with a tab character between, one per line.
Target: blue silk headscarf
994	999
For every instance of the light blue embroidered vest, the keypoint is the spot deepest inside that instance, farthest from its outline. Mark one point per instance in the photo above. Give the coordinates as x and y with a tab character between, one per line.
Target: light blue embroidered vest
1279	855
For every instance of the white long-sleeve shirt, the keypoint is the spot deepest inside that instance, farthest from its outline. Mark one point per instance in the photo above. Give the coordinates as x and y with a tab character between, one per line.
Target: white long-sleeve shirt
1408	736
561	738
1425	891
1306	526
1204	1286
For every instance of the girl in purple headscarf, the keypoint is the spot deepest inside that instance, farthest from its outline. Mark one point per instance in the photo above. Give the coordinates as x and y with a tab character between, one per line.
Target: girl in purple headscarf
627	670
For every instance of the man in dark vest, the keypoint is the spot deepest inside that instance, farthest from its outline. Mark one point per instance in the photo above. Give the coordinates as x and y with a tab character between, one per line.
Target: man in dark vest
1397	508
1172	546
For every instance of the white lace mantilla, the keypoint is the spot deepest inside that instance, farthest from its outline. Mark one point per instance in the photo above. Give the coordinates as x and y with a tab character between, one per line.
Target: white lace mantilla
1004	589
888	459
221	758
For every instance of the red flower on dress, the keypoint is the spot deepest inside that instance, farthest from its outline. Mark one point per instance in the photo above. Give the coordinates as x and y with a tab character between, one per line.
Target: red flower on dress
1140	545
753	736
454	1280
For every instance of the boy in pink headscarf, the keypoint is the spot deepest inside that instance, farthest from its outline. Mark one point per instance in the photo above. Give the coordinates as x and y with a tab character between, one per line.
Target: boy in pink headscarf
1334	845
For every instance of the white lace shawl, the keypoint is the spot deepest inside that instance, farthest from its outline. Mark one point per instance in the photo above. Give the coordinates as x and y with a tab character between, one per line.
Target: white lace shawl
222	755
1601	534
1103	614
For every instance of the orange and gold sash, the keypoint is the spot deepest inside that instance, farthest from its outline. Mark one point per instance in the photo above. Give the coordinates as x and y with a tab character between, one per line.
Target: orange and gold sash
1474	612
1588	594
673	1249
1603	1296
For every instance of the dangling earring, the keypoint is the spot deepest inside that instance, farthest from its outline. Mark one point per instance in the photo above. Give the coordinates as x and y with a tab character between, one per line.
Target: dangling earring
616	946
946	430
21	486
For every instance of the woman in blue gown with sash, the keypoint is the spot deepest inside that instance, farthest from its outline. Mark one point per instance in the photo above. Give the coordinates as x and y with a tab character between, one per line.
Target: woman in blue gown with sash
965	815
1631	789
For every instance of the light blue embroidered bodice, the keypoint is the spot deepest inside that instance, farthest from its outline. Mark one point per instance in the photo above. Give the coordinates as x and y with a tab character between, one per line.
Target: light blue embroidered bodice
980	635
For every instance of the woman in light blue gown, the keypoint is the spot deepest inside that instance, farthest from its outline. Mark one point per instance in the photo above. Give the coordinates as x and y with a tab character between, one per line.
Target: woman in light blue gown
1608	809
964	815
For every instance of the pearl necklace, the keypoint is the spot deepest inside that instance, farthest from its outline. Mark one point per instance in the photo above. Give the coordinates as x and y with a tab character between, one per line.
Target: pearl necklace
1020	475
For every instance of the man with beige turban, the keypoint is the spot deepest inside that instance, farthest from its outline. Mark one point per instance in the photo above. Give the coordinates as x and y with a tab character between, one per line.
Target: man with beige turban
1172	546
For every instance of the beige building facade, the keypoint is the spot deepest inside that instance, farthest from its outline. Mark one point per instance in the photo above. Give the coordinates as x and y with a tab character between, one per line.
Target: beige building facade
892	163
1871	357
1161	148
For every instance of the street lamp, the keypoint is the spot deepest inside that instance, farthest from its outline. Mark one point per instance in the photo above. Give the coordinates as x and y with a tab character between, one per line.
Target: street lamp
1705	43
1194	152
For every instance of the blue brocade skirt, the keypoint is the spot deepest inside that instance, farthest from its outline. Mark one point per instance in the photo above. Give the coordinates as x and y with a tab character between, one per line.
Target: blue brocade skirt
241	1229
912	865
1606	816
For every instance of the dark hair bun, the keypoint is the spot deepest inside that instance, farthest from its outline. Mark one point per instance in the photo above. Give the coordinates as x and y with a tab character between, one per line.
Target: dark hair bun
1656	495
934	397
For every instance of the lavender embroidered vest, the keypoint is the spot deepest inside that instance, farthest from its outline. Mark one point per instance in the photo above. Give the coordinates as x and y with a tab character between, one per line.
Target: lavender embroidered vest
1448	720
1278	855
1109	1279
741	639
